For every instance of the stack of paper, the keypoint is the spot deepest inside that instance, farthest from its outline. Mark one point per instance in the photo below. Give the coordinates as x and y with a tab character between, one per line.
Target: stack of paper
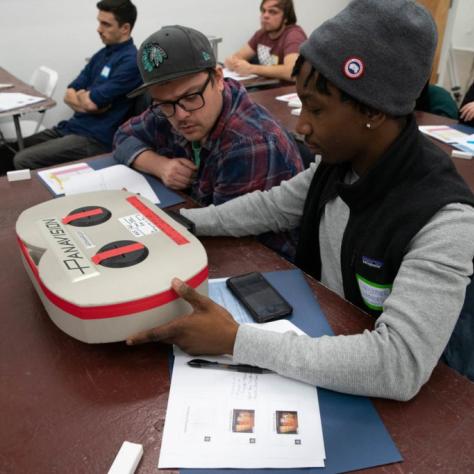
56	178
443	133
229	419
14	100
466	143
81	178
446	134
293	101
238	77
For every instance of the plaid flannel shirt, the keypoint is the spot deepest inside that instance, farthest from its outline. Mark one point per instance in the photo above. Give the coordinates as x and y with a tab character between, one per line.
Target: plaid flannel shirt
247	149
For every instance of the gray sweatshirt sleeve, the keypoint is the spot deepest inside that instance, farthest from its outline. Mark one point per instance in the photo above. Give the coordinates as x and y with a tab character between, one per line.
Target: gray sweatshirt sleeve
397	357
277	210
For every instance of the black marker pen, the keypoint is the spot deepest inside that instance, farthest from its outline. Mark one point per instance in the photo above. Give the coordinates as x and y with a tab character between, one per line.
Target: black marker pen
208	364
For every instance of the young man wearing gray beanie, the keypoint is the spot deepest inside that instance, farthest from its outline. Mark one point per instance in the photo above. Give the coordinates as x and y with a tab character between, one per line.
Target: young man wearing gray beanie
386	221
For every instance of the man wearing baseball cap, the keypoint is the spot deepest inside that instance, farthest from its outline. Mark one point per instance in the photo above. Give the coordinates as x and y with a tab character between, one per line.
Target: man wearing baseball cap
201	133
386	221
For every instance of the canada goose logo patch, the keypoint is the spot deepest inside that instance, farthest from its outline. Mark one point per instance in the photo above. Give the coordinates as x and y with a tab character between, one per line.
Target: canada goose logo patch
353	68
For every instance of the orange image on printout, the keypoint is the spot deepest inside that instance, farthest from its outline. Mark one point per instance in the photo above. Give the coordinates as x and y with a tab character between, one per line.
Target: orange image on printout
287	422
243	421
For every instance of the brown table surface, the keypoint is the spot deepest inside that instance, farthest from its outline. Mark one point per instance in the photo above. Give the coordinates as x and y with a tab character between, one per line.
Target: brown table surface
67	406
20	86
282	112
261	83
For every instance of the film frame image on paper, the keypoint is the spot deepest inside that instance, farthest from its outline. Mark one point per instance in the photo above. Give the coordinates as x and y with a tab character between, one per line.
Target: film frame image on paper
243	421
286	422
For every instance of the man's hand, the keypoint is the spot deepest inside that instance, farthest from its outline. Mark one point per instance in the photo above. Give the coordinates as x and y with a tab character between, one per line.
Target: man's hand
209	329
71	99
84	98
80	101
230	61
178	173
467	112
242	67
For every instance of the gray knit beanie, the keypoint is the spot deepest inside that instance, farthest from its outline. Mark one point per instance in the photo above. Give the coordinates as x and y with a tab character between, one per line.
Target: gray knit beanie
378	51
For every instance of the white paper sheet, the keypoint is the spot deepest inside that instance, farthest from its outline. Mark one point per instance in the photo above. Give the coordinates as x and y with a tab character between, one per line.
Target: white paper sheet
465	144
443	133
237	76
288	97
219	293
293	101
56	178
111	177
228	419
13	100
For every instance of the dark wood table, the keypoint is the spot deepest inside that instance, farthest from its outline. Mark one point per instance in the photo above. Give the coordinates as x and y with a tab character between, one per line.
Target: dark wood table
67	406
277	108
20	86
282	112
260	83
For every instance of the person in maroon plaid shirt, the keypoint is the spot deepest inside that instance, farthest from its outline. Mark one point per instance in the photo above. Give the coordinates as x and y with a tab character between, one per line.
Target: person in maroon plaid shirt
202	133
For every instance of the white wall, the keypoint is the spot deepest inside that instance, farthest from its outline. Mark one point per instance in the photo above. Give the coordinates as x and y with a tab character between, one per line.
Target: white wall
62	33
457	68
463	33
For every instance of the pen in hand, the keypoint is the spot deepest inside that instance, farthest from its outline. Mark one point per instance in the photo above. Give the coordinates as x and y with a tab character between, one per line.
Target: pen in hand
208	364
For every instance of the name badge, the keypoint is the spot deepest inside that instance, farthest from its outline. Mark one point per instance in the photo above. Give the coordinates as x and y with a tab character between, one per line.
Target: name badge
105	72
373	294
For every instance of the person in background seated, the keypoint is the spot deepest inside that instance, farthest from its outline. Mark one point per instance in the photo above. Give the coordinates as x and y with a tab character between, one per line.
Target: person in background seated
97	96
275	45
202	133
385	220
467	108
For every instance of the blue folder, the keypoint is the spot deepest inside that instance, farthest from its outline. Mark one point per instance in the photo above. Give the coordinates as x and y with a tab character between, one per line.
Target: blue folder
354	435
463	128
166	196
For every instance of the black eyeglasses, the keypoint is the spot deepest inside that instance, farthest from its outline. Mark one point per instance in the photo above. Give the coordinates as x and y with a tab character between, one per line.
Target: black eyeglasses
188	102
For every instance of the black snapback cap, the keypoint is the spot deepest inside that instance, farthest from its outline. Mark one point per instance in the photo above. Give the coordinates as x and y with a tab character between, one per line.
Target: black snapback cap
173	52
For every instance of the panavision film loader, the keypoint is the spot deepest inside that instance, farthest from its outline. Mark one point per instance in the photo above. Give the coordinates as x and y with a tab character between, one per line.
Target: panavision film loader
102	263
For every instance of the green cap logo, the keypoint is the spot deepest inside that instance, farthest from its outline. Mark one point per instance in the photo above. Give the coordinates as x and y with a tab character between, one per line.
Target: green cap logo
206	56
152	56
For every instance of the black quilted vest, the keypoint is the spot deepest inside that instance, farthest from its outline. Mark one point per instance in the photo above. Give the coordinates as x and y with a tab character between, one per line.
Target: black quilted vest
388	206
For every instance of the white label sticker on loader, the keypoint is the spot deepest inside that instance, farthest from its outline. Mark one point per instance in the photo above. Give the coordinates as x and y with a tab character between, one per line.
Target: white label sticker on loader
84	239
138	225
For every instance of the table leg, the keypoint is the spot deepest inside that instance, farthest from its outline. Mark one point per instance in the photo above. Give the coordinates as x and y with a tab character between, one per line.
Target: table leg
16	120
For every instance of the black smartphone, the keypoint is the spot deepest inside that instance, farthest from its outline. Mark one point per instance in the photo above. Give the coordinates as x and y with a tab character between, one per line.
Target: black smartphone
259	297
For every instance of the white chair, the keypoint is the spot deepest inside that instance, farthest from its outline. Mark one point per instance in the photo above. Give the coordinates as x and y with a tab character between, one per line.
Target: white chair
44	80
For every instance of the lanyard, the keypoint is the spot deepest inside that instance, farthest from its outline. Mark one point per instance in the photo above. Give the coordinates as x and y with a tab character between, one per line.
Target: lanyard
196	146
